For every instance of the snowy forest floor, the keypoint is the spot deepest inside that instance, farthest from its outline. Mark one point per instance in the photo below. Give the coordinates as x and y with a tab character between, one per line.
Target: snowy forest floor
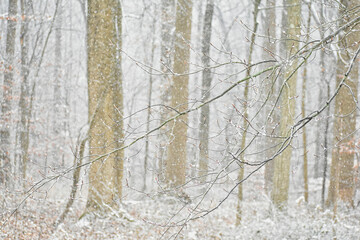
151	219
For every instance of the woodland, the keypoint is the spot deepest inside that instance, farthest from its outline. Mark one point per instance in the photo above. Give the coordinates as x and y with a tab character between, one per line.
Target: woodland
179	119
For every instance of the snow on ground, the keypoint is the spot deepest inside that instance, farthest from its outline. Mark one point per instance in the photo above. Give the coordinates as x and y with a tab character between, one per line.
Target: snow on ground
161	217
166	214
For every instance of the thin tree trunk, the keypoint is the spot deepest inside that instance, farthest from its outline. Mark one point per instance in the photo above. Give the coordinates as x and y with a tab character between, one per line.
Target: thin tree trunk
319	133
79	155
57	114
245	114
167	44
324	133
303	111
24	103
325	150
149	106
68	76
206	84
270	126
6	104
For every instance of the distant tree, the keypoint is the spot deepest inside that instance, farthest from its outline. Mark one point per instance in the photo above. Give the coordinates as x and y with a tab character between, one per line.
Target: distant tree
245	111
58	100
149	100
24	103
303	113
206	84
105	104
322	141
6	103
166	60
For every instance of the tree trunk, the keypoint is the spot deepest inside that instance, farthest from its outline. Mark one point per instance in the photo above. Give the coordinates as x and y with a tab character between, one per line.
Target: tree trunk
205	92
167	36
57	114
6	105
322	131
325	151
319	130
303	111
105	90
176	159
79	155
147	143
322	127
271	90
24	103
245	115
345	113
292	29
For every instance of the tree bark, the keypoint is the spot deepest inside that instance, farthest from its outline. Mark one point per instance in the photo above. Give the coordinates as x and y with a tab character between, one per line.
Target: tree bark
176	159
105	90
292	29
205	92
271	89
303	111
24	103
6	105
345	113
